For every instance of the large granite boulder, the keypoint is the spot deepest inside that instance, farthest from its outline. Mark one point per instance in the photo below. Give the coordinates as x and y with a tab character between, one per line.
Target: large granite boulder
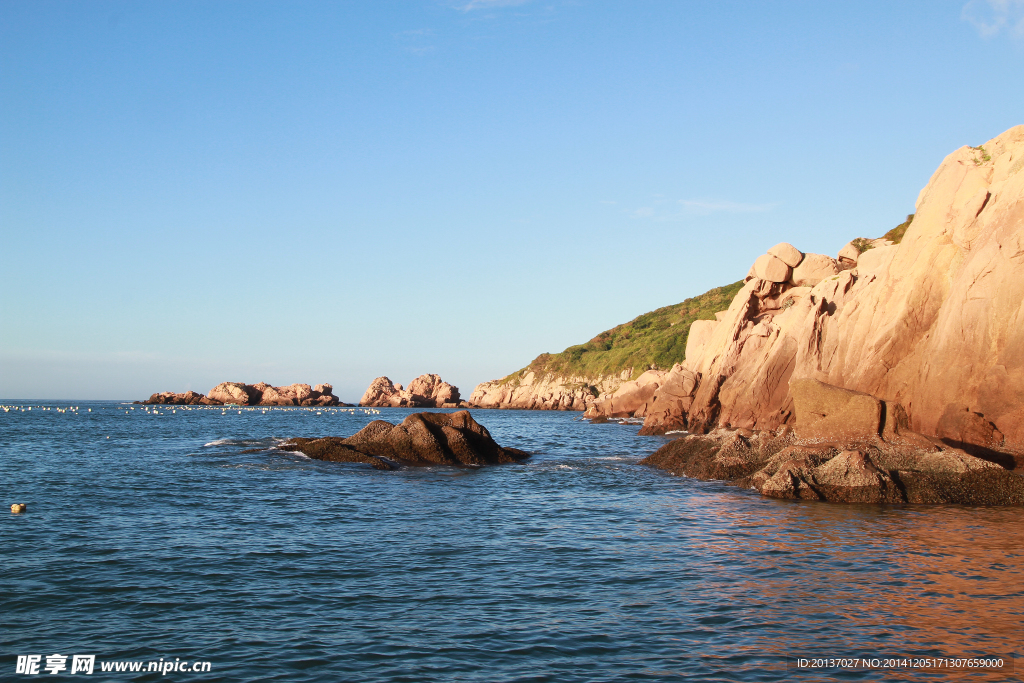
787	253
379	393
431	390
236	393
422	439
828	413
771	268
813	269
630	399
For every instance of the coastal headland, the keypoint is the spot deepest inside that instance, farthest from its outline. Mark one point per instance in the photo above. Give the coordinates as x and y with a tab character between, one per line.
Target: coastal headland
928	318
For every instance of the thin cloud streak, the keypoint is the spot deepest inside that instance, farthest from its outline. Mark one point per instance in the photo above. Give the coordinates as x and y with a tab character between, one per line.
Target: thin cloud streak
991	17
705	207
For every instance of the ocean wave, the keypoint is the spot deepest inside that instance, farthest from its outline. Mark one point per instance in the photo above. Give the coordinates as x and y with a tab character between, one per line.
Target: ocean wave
268	442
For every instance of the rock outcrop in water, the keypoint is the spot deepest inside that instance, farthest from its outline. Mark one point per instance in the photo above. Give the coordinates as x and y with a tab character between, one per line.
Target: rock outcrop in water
260	394
426	391
845	447
932	326
423	439
188	398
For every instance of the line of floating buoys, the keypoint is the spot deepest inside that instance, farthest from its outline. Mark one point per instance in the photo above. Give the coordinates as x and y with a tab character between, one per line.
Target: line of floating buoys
153	410
21	409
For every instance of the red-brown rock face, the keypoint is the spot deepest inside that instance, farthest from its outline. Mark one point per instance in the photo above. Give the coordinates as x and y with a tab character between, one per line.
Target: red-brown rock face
934	324
426	391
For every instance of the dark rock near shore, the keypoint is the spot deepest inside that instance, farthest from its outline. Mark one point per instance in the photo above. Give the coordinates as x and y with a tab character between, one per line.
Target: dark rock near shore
865	471
423	439
334	449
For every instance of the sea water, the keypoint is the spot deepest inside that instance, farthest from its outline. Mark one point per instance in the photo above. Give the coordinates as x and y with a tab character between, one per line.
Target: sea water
170	534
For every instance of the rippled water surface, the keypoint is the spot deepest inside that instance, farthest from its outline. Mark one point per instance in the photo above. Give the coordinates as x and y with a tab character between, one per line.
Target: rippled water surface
155	536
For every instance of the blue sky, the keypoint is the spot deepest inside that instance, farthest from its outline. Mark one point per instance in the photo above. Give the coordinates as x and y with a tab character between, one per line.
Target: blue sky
193	192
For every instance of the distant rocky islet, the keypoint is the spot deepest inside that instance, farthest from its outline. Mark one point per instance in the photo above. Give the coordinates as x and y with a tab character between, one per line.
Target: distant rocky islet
259	394
426	391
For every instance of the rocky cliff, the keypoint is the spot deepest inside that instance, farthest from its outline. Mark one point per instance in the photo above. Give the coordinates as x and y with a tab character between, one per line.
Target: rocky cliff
530	390
932	325
576	377
426	391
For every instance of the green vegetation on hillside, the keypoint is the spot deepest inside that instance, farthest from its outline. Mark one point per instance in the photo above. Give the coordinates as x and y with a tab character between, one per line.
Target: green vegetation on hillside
657	338
861	244
982	155
897	233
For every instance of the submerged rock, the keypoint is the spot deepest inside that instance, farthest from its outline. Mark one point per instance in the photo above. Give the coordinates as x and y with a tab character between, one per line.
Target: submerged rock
423	439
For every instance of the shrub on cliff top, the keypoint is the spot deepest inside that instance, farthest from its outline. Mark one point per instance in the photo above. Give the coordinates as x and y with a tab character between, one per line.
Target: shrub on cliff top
656	338
897	233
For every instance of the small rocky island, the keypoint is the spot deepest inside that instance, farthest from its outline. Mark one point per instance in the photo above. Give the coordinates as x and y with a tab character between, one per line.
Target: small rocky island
426	391
422	440
259	394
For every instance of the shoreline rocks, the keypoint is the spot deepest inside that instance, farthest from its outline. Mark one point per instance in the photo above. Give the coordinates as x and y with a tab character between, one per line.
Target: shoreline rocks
421	440
849	447
930	328
780	465
426	391
259	394
547	391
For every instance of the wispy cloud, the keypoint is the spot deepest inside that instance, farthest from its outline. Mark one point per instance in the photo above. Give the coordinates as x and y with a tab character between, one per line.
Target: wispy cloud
661	208
703	206
992	17
416	40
